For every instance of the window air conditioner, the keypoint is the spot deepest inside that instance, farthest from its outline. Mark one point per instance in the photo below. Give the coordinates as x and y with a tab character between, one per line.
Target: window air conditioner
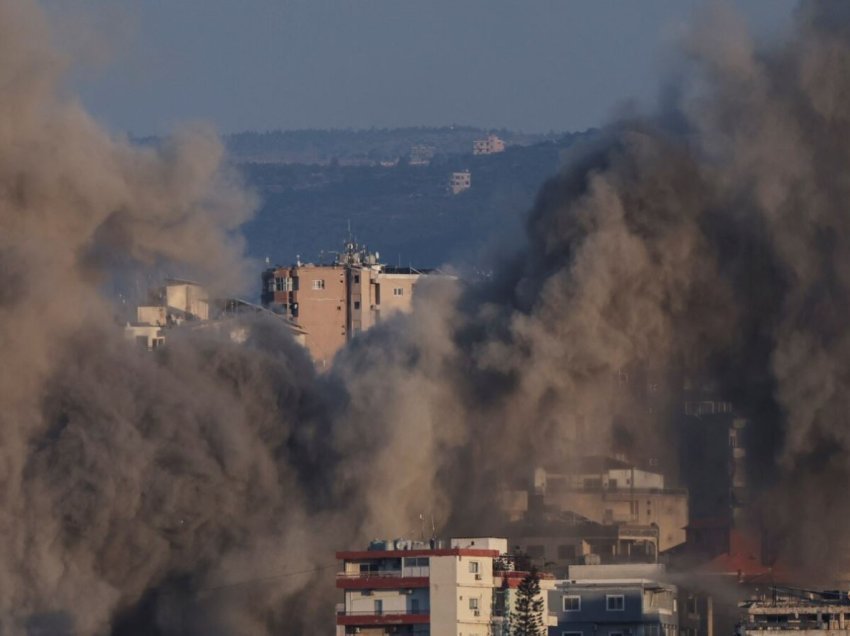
476	613
477	577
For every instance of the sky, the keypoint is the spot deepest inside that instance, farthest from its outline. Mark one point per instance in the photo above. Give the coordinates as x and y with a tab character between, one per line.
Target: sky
147	66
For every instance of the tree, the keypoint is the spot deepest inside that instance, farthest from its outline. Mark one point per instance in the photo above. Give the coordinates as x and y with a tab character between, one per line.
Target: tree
527	615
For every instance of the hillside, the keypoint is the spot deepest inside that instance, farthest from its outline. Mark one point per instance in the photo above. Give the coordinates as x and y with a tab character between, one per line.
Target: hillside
349	147
404	211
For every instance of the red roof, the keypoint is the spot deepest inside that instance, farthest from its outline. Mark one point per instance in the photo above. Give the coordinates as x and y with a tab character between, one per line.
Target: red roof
397	554
744	561
513	578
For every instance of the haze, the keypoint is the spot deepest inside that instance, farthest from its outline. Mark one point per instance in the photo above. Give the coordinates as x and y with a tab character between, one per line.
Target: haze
268	64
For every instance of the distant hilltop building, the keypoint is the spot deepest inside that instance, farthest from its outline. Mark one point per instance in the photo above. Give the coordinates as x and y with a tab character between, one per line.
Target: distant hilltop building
460	181
489	146
332	303
421	155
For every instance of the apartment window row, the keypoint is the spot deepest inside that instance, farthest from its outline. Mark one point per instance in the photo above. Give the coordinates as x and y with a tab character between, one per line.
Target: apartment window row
416	562
613	603
398	291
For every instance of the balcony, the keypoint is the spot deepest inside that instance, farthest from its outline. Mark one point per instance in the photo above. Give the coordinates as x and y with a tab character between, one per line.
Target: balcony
394	617
381	580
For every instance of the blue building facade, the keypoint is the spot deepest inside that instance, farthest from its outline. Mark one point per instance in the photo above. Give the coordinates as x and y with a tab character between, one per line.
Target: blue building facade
613	607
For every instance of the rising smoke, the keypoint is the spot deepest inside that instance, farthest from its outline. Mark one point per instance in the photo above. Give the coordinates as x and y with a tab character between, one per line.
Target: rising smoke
202	490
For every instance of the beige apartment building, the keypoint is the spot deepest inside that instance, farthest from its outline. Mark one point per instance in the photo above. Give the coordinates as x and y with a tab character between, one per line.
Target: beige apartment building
333	303
609	491
489	146
460	181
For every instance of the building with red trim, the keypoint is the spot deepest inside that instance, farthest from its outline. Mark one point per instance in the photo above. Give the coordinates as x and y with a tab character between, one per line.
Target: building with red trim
424	588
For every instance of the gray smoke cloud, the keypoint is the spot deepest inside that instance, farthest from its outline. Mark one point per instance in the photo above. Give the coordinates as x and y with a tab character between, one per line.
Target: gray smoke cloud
203	489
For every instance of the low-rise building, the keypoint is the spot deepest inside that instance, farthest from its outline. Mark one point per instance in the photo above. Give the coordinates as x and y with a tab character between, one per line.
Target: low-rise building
800	614
427	588
488	146
554	541
612	491
460	181
186	304
614	601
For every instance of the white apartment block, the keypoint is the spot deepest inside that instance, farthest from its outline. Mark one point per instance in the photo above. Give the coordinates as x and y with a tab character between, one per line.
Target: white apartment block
424	588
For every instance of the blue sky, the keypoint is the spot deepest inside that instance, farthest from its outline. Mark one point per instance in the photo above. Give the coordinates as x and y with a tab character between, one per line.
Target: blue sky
533	65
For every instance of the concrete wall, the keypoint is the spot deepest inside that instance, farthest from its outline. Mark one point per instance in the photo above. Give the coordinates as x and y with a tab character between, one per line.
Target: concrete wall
618	571
188	298
151	315
442	587
321	311
482	543
150	336
453	583
395	294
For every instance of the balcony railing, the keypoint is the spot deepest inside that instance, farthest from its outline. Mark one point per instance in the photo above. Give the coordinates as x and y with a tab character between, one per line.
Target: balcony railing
375	574
386	612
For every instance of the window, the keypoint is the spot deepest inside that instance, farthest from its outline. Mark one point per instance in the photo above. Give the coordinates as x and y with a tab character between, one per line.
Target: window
357	278
536	551
379	607
398	291
566	551
357	304
615	602
473	567
572	603
473	603
319	283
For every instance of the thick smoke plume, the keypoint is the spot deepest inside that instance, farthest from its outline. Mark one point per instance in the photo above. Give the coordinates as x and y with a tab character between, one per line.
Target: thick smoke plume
202	490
